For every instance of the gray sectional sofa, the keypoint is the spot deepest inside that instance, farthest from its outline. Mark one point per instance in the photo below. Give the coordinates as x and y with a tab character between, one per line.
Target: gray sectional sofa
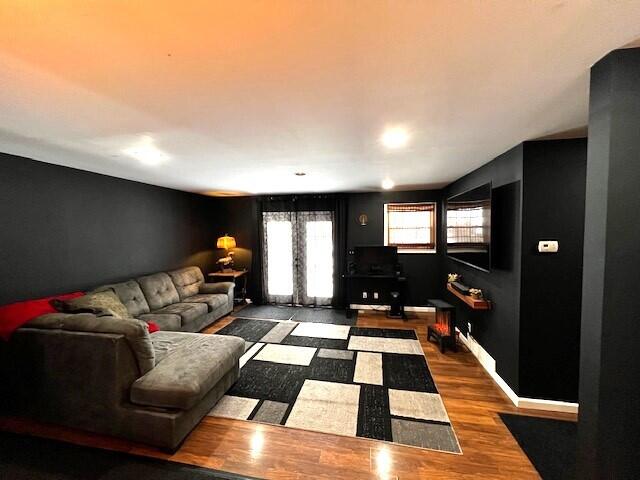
110	375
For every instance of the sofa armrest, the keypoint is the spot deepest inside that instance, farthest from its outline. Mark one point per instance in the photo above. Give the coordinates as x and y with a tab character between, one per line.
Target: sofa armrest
220	287
225	288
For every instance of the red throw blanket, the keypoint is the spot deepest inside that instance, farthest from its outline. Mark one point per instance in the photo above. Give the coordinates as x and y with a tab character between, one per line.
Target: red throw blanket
15	315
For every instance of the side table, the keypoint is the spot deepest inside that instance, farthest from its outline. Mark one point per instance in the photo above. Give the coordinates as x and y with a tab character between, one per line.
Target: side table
239	277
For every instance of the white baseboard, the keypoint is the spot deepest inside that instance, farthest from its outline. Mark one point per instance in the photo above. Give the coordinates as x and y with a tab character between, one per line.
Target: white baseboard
548	405
356	306
489	364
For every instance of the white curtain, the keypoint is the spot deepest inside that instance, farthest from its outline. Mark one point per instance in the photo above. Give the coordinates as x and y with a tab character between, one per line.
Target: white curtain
298	257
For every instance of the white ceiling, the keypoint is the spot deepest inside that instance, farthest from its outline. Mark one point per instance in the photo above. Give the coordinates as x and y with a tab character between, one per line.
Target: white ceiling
239	95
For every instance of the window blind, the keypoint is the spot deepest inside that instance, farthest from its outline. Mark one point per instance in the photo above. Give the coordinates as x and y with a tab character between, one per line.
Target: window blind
411	226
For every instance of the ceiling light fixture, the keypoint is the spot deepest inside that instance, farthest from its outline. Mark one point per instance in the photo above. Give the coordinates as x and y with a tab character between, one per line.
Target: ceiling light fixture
388	184
300	174
395	137
146	152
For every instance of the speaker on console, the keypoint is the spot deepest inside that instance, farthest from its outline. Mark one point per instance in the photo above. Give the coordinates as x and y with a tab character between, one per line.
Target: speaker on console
396	307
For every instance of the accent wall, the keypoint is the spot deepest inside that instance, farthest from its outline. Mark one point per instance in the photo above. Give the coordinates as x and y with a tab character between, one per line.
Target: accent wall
65	229
533	329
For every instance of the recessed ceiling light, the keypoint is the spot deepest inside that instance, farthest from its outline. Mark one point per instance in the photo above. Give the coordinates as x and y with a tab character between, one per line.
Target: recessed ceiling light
300	174
388	184
146	152
395	137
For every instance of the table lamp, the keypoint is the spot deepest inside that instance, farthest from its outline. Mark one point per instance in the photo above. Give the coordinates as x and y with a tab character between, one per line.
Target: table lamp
226	242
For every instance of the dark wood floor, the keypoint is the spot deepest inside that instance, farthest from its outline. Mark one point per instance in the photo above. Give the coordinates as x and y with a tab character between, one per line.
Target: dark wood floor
470	396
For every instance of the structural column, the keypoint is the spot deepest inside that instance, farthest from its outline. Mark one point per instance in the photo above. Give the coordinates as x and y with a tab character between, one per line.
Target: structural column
609	419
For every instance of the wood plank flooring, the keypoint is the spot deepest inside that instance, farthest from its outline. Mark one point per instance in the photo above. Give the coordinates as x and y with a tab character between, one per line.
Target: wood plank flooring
265	451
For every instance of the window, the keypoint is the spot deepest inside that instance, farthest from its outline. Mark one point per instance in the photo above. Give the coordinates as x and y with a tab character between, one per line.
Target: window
410	226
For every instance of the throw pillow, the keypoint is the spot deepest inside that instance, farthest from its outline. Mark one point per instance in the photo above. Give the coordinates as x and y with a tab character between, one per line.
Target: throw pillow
100	303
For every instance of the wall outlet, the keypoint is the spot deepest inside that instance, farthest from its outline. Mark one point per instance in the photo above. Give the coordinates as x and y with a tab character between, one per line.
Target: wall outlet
469	328
375	295
548	246
364	294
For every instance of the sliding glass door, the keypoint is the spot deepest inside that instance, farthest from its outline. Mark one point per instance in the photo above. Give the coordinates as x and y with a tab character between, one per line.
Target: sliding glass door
298	257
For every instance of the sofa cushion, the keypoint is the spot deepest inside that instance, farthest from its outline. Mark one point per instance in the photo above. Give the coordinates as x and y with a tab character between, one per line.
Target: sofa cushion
165	342
99	303
166	321
130	295
188	371
213	300
187	311
135	331
187	281
159	290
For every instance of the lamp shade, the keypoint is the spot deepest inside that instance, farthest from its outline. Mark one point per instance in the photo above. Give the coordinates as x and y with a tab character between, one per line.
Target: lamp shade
226	242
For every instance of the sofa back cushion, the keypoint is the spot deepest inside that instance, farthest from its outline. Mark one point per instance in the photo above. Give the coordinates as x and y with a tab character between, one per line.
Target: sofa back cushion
135	331
159	290
187	281
130	295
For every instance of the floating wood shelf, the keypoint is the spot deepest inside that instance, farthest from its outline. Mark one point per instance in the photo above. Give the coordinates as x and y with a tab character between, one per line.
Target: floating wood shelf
473	303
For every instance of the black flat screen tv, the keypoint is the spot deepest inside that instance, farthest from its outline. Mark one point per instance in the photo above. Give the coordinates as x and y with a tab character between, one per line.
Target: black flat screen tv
469	227
375	260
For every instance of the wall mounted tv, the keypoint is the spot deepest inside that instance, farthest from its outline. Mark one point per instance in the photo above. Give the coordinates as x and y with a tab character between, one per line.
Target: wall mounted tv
469	227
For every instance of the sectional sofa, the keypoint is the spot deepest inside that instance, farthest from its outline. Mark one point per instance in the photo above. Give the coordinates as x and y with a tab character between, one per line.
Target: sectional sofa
110	375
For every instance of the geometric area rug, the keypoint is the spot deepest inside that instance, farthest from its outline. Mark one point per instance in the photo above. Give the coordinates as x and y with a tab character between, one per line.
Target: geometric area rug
344	380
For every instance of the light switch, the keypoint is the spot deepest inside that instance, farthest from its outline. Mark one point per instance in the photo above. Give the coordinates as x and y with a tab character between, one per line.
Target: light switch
548	246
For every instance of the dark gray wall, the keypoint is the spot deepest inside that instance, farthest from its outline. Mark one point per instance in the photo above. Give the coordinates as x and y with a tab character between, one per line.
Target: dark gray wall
238	217
554	181
423	270
498	331
65	229
609	424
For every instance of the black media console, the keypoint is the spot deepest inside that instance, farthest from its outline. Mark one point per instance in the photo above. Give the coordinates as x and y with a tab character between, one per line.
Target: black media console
375	278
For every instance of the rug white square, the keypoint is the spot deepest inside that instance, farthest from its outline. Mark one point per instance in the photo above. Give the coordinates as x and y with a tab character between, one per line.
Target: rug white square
289	354
422	405
322	330
386	345
326	407
368	368
234	407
